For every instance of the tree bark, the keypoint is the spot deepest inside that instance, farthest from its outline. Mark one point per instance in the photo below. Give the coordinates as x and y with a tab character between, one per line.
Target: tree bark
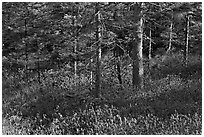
75	48
26	51
38	69
187	40
119	71
91	75
150	47
118	65
138	71
98	53
170	37
168	52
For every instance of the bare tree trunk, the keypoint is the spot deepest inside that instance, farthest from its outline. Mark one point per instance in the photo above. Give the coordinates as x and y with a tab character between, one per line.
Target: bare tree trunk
170	37
98	53
116	54
38	69
150	53
150	44
119	71
137	57
118	64
75	62
26	51
75	48
140	48
91	77
150	47
187	40
14	72
168	52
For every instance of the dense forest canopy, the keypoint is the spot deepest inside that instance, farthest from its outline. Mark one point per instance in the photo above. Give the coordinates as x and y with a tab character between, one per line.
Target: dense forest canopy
41	28
64	33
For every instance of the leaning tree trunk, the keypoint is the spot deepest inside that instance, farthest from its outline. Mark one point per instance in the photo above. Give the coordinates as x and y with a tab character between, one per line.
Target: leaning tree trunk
187	40
138	71
98	53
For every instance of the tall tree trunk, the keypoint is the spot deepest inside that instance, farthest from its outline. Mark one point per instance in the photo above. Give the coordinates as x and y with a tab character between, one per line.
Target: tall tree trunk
75	48
119	71
98	53
170	37
26	44
137	56
38	68
16	71
118	64
187	40
150	53
75	62
91	75
26	51
150	47
168	52
38	71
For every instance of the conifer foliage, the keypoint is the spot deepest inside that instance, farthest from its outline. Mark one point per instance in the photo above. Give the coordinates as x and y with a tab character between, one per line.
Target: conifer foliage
73	61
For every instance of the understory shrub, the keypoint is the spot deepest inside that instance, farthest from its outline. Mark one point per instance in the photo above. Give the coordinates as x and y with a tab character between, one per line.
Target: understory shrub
171	103
100	121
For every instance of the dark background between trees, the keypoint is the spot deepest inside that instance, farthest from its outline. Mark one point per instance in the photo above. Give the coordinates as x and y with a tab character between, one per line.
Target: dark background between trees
71	55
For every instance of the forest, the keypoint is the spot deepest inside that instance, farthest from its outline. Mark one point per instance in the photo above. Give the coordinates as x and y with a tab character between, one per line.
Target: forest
101	68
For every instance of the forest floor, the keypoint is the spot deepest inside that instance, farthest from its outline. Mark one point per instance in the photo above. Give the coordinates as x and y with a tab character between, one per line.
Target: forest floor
171	104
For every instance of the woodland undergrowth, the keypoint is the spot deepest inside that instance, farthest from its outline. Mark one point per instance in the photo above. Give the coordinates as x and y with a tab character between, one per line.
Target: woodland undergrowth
171	102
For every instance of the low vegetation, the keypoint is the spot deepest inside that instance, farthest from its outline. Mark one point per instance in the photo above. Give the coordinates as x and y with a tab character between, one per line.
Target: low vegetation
171	103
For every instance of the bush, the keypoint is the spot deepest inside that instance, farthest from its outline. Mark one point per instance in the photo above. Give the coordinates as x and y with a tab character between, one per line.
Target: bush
174	65
170	104
100	121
